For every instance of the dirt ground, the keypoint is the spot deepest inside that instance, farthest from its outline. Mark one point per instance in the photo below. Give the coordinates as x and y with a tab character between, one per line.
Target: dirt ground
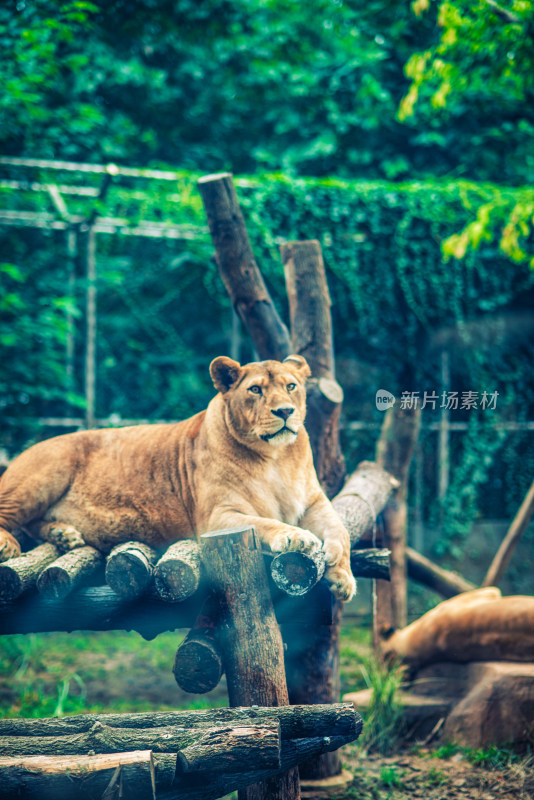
421	774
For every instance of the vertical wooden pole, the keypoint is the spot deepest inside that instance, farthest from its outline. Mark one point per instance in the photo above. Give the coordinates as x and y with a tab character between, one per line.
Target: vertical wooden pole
312	669
312	658
249	637
394	453
90	328
72	247
443	465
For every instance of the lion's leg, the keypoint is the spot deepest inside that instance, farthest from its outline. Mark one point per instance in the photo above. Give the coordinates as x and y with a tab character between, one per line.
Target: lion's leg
28	488
277	536
321	518
9	546
63	535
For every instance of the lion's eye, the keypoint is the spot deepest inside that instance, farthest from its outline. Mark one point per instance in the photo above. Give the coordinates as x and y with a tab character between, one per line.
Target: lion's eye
291	387
255	389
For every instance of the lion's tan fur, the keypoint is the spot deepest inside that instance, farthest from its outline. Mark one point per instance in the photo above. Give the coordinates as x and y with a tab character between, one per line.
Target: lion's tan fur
161	483
480	625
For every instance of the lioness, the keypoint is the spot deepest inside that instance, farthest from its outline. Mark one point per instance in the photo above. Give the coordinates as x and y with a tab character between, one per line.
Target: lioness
244	461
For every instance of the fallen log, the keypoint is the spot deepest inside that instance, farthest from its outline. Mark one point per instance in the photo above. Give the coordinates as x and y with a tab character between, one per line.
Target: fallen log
293	753
178	571
443	581
296	722
64	777
230	748
62	576
198	666
129	568
238	269
20	574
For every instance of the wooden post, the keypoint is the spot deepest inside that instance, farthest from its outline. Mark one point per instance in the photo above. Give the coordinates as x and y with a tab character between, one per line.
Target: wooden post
90	328
249	636
311	332
394	452
312	669
238	269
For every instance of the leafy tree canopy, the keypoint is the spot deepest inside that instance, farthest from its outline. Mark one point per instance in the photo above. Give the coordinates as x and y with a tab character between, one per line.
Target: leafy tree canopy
310	89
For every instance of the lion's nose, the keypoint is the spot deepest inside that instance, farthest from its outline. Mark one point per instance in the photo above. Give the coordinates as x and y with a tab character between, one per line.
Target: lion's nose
283	412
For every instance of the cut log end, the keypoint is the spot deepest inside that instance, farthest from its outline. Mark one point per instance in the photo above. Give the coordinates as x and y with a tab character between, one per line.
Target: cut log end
198	665
177	574
296	573
129	568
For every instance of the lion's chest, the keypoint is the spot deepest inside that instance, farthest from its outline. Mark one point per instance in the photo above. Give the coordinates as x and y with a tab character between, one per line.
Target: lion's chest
277	494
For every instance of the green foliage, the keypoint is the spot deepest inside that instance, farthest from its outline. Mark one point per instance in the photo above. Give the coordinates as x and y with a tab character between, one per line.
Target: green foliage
383	725
490	758
480	72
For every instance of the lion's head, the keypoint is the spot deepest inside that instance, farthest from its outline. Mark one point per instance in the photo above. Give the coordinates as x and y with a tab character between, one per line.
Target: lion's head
265	401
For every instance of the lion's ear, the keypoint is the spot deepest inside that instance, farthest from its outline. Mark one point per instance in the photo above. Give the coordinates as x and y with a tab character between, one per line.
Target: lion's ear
300	363
224	373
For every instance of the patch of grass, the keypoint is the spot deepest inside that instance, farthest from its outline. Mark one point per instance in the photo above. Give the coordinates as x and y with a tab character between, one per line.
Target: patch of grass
391	778
383	728
491	758
436	777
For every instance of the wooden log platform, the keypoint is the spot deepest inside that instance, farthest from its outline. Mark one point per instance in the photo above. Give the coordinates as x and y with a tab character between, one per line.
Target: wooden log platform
296	722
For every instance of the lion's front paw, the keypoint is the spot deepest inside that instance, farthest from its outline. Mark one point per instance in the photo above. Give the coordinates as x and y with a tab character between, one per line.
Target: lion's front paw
296	539
9	547
66	538
341	582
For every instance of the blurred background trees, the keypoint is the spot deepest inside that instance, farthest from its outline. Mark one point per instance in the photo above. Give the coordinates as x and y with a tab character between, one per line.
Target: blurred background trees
402	139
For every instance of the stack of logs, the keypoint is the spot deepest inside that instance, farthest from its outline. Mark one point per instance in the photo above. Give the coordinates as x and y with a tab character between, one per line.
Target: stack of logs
181	755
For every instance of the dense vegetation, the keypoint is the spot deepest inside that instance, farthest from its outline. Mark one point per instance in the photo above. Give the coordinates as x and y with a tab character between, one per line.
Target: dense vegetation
404	142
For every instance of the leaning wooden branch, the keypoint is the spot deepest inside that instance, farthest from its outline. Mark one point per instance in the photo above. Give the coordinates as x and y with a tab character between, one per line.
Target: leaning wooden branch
239	271
510	541
363	497
443	581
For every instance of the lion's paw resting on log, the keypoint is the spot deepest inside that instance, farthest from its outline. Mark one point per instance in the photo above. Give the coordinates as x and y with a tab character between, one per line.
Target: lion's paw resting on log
244	461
